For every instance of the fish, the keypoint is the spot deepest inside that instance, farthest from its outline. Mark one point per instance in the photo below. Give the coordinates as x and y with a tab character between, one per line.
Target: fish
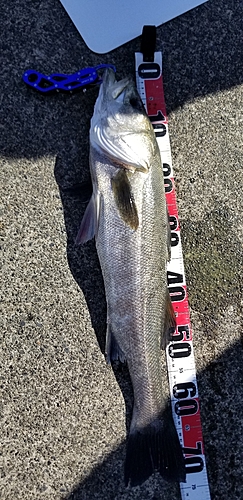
127	216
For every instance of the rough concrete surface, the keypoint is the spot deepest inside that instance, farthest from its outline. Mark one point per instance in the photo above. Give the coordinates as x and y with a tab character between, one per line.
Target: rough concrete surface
63	411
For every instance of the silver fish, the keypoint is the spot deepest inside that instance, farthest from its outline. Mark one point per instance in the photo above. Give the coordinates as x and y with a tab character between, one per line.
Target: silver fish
127	215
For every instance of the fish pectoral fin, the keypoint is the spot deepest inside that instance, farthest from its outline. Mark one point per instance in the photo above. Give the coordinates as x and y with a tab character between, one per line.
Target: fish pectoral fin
170	322
124	199
112	349
90	221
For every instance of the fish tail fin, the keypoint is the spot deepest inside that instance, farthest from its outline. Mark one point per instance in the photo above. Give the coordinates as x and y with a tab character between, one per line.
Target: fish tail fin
154	448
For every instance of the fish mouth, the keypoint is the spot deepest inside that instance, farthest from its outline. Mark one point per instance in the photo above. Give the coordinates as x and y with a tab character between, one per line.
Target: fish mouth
116	89
123	91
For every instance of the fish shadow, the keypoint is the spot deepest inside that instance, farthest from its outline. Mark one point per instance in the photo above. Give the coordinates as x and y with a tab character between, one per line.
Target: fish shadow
84	265
220	384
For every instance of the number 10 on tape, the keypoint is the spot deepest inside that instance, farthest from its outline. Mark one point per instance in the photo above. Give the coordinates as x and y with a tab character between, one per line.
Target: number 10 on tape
180	357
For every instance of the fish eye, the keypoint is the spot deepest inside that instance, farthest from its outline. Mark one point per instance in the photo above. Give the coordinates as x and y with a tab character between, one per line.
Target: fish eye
136	103
133	102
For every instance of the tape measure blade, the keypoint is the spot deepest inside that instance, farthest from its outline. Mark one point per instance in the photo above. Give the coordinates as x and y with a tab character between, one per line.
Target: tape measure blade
179	353
196	487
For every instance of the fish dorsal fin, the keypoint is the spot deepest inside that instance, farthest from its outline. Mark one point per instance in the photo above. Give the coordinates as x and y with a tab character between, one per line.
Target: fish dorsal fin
90	221
124	199
170	322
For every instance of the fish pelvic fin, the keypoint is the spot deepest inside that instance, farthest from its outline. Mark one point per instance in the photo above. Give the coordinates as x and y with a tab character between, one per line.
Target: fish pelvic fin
124	199
155	448
90	221
170	322
113	350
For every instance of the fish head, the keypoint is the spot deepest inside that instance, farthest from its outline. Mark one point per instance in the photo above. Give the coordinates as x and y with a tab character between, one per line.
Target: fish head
120	126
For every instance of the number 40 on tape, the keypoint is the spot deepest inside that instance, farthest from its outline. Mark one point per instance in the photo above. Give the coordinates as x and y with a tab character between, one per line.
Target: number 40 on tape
180	357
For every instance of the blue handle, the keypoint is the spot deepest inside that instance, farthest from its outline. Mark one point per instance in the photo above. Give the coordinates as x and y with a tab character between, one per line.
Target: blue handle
62	82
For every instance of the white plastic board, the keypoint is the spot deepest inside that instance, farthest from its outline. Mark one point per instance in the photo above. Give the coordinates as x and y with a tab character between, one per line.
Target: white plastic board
107	24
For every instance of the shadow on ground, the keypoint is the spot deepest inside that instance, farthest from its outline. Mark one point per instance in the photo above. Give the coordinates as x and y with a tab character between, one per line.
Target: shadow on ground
220	387
220	384
202	54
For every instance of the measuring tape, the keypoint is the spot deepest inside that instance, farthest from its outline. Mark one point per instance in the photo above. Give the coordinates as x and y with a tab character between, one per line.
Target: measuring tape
179	353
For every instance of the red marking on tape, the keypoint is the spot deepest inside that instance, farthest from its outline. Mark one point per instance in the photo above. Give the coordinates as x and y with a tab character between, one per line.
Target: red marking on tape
155	97
192	430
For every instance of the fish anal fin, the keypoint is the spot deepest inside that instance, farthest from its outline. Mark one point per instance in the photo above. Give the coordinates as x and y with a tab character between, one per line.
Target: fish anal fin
170	322
89	225
124	199
113	350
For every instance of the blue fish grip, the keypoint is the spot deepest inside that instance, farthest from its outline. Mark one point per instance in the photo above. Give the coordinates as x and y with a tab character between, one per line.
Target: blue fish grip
61	82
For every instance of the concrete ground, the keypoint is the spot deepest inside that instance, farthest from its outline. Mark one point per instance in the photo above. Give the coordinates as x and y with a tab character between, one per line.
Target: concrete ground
62	409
